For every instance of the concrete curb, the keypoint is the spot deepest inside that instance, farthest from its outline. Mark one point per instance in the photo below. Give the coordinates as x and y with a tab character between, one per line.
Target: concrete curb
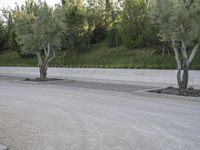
2	147
164	96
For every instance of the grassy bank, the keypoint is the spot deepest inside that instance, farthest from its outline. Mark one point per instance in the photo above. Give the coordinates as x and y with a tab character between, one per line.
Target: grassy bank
104	58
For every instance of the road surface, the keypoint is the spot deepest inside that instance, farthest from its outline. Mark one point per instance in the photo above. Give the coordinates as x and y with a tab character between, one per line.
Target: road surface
64	116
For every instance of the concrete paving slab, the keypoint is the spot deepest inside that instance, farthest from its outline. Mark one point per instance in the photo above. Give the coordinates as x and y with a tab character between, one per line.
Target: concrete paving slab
53	117
106	85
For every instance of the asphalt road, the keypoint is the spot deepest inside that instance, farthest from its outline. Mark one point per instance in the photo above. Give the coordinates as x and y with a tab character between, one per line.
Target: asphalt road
54	116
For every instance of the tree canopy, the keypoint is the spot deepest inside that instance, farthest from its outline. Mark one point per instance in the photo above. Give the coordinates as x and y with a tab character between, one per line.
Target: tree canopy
39	32
179	22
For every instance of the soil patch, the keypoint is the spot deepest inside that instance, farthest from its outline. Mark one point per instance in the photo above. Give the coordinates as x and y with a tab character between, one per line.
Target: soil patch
175	91
39	80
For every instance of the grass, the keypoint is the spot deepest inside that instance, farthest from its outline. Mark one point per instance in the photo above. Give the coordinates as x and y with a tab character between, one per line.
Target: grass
13	59
103	57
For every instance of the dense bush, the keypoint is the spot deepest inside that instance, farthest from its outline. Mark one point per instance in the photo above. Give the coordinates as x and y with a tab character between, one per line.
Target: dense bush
2	37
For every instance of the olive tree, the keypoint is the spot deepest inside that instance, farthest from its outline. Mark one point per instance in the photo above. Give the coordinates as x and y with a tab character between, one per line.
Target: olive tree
179	22
39	32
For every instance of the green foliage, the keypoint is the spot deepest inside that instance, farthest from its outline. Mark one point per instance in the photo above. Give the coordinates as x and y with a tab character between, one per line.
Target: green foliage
2	36
136	28
129	24
96	22
37	26
178	20
85	25
11	32
74	22
14	59
113	37
101	56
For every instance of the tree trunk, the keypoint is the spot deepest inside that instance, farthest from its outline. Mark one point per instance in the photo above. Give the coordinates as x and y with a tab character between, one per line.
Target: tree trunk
43	72
63	2
183	69
44	59
183	76
107	4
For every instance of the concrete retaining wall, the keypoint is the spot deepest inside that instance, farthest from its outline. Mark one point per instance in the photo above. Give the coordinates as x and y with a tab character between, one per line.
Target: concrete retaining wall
139	75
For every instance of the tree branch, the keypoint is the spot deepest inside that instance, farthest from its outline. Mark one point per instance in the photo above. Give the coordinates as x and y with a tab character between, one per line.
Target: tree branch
48	48
182	28
184	47
183	50
176	54
39	59
45	51
47	54
194	51
53	56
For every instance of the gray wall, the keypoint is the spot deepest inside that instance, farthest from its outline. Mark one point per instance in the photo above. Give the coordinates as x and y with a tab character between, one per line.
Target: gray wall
139	75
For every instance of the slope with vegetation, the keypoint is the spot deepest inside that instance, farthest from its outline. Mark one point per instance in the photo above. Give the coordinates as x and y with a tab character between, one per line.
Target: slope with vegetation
100	56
